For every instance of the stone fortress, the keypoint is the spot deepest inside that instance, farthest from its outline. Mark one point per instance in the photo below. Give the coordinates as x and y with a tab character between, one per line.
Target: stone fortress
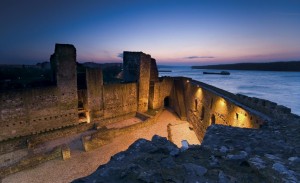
35	115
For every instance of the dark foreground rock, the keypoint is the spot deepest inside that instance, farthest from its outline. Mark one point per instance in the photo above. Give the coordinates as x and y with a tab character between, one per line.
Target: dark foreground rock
227	154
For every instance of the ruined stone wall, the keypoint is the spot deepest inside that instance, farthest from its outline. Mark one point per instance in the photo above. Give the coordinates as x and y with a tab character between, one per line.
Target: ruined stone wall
136	68
205	107
119	99
33	111
159	91
153	71
94	82
64	63
30	111
265	106
131	63
178	98
144	82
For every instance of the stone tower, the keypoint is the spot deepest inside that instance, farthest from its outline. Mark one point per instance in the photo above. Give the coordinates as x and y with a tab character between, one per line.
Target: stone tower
136	68
63	64
94	81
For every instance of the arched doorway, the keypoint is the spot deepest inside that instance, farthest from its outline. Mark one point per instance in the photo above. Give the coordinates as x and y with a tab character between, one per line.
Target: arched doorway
213	119
167	102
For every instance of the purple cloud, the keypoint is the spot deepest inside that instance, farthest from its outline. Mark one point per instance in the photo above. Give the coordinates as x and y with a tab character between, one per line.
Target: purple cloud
194	57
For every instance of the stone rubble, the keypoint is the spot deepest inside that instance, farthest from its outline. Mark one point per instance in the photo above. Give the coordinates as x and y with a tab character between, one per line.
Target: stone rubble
227	155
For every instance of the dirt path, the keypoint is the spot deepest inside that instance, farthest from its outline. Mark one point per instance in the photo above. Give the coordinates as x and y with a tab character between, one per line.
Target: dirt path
84	163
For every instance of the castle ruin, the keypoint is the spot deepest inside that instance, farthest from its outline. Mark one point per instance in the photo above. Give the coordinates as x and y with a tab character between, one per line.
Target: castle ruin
33	113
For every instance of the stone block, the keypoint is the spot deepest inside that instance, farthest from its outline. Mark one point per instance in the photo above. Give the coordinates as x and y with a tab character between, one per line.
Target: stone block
66	152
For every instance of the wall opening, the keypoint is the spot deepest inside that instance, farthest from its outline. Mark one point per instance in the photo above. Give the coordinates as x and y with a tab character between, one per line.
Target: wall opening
211	103
80	105
236	115
196	104
213	119
202	113
167	102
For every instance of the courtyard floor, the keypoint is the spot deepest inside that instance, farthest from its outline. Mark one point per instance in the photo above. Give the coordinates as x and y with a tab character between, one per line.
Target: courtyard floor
84	163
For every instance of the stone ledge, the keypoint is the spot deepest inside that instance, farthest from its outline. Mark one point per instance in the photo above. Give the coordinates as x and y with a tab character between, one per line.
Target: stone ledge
33	160
104	136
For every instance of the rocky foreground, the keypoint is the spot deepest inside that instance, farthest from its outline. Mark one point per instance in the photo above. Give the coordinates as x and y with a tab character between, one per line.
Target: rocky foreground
227	154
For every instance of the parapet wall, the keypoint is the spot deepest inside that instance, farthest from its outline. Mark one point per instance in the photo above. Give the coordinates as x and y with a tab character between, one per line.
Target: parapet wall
265	106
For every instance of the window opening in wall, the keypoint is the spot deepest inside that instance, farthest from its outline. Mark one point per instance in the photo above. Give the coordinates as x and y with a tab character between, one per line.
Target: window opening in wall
236	115
202	113
213	119
196	104
211	103
167	102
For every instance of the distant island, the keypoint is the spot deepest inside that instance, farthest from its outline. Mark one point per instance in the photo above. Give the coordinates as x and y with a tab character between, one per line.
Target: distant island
271	66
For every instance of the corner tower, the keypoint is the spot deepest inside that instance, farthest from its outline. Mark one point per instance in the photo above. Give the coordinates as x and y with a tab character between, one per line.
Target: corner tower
136	68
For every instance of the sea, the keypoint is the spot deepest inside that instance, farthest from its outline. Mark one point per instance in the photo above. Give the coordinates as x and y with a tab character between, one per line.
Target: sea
280	87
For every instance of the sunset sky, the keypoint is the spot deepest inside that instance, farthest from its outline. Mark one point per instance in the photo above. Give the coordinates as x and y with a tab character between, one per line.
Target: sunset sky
172	31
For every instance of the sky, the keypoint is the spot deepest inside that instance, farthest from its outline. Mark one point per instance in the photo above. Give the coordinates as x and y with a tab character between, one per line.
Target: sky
175	32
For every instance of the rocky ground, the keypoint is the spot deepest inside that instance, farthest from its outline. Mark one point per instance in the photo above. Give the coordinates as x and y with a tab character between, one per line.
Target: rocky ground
227	154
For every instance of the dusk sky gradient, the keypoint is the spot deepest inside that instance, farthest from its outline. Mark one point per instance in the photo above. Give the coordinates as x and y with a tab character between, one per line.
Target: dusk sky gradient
174	32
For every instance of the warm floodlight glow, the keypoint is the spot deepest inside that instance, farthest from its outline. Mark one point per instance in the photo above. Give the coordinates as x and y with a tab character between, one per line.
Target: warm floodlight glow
187	81
222	101
88	119
198	93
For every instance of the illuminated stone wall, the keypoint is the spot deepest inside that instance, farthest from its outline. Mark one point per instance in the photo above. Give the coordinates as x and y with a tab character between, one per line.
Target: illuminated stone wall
30	111
205	107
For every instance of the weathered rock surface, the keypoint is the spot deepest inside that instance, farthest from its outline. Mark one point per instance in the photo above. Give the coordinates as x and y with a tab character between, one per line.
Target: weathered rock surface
227	154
